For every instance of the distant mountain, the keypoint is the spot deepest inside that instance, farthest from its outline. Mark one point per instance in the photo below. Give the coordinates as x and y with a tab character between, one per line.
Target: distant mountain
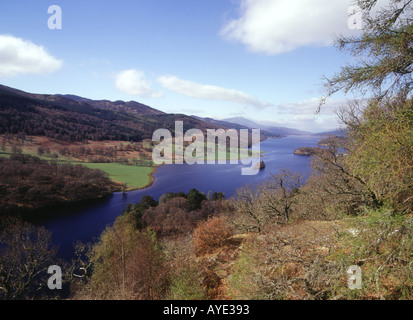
74	118
247	125
280	131
336	133
244	122
221	123
288	131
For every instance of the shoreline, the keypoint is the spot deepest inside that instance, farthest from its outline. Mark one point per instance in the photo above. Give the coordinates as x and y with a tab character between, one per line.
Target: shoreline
155	168
151	180
151	176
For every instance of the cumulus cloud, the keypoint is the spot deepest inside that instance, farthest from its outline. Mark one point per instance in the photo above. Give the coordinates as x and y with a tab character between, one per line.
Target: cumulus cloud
277	26
18	56
209	92
134	82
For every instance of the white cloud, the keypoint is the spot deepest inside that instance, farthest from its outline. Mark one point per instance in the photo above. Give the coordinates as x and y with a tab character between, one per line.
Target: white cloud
304	114
134	82
277	26
310	106
209	92
18	56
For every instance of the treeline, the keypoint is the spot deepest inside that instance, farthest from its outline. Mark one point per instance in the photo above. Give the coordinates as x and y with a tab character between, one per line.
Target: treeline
27	182
175	214
102	154
110	152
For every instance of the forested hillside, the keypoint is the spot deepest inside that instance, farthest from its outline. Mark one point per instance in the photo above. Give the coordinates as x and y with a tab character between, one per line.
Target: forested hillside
72	118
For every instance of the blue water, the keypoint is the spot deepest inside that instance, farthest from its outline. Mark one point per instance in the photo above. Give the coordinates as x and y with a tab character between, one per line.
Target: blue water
86	222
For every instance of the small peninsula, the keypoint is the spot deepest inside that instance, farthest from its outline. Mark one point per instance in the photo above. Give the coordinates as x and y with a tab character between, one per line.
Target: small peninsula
306	151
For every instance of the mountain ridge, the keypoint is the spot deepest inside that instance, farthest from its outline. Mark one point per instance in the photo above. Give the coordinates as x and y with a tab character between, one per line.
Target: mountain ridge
238	126
71	117
283	131
74	118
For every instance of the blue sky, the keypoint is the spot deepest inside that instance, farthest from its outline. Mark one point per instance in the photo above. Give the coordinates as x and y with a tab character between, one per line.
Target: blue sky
260	59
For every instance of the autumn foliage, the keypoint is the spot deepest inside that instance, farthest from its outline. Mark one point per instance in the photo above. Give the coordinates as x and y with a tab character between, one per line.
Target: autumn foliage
29	182
210	234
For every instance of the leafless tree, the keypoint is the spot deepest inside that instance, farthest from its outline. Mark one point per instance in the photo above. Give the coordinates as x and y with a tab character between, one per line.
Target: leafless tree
25	255
270	201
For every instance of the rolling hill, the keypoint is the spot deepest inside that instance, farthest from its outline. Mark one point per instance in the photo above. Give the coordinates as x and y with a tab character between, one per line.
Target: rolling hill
74	118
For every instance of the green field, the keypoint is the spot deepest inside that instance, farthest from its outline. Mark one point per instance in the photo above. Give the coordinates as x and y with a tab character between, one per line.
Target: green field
227	156
135	177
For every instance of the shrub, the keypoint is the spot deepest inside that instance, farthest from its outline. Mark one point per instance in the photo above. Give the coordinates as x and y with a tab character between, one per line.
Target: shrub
186	286
381	243
210	235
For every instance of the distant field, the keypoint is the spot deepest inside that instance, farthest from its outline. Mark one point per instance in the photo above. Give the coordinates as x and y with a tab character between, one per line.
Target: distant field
217	156
134	176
